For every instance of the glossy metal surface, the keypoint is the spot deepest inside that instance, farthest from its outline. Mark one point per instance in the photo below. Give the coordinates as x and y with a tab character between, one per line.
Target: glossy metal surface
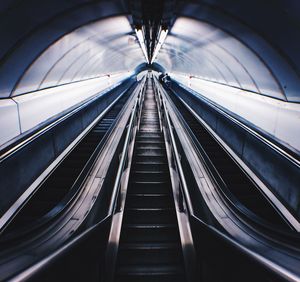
277	119
279	259
180	189
119	191
74	217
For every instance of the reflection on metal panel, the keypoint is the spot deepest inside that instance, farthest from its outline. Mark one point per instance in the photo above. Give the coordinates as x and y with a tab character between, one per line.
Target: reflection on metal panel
212	54
9	121
103	46
37	107
278	119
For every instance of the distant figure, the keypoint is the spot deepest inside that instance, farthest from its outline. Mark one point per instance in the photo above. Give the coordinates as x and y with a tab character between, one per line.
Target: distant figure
167	80
160	77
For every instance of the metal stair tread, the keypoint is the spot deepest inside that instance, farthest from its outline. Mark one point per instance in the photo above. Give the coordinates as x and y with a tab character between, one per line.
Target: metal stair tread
149	195
151	182
154	270
150	225
149	246
150	172
150	209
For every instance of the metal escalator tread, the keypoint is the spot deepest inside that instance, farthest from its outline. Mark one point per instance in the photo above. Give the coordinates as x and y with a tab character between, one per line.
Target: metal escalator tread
150	248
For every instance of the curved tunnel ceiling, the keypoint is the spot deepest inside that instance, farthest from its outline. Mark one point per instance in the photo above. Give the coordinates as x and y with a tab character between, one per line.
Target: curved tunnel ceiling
64	41
104	47
245	45
213	45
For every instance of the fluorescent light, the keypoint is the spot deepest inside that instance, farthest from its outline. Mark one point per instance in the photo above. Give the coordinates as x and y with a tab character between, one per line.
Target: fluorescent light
139	34
161	40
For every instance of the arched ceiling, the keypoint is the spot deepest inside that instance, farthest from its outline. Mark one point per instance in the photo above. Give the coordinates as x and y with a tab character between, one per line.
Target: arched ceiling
251	45
103	47
58	42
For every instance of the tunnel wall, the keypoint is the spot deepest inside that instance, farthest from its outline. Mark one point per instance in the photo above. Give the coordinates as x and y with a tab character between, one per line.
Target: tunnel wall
219	56
23	113
275	118
279	172
56	69
218	48
20	170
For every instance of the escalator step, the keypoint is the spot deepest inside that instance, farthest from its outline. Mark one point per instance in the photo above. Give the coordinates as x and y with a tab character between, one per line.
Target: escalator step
150	253
157	273
149	187
150	215
150	176
149	200
150	166
150	152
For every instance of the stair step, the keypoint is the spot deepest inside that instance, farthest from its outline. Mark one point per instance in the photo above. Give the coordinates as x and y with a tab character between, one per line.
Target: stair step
150	233
149	187
149	215
153	270
130	278
149	200
151	146
149	253
150	166
151	141
150	151
150	176
151	158
149	135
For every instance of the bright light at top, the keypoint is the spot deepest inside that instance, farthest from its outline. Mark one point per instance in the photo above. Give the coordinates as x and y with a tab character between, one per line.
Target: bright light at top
139	34
161	40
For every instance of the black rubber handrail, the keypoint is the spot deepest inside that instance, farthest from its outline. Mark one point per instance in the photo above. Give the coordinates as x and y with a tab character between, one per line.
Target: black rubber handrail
64	251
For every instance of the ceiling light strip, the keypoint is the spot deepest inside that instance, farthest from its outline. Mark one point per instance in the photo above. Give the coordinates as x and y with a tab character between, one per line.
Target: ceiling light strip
161	40
140	37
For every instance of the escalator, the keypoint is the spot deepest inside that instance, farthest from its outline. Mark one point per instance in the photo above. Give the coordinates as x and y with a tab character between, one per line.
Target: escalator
243	194
59	188
150	247
145	234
